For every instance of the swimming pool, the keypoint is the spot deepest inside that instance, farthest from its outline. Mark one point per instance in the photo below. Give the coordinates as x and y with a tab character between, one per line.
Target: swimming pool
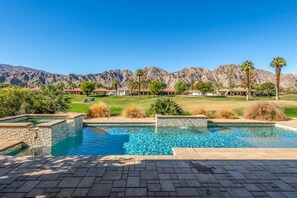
160	141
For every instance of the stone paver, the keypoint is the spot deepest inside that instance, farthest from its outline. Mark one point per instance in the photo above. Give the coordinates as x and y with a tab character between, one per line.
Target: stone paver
145	176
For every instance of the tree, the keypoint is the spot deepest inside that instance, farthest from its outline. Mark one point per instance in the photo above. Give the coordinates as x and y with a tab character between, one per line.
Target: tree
132	85
115	84
247	66
98	85
218	86
54	98
139	73
156	87
265	89
253	80
11	101
87	87
230	78
165	106
180	87
277	63
204	87
192	83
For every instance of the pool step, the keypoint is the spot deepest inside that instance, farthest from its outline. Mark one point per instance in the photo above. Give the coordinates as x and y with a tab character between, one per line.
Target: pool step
7	145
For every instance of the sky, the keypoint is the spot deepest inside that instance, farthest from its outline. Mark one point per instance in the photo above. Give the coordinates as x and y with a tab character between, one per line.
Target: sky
91	36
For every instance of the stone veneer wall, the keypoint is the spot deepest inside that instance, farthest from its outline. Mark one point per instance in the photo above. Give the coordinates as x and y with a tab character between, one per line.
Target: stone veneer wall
45	134
17	132
54	132
182	121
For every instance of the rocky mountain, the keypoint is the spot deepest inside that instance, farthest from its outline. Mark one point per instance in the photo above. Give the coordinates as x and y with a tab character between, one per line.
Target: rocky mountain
16	75
15	69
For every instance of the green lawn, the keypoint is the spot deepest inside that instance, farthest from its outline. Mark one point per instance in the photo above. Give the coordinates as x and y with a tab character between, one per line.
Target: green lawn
238	104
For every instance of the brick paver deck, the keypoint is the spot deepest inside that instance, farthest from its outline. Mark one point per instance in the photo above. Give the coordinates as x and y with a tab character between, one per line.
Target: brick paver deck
111	176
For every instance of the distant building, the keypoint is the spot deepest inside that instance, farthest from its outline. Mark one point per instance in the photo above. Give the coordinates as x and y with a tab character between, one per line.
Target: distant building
124	91
238	91
101	91
168	91
76	91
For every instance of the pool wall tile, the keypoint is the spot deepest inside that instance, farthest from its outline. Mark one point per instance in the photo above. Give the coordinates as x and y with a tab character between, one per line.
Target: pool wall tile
182	121
45	134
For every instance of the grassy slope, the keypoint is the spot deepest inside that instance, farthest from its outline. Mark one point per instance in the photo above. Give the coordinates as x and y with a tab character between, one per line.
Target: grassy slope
238	104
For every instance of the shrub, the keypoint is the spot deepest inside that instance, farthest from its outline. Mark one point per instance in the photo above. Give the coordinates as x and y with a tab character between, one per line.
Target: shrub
53	98
11	100
201	111
133	112
100	110
265	111
226	114
165	106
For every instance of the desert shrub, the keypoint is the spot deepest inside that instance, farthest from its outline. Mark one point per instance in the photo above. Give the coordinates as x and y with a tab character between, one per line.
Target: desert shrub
226	114
133	112
202	111
265	111
100	110
52	99
11	100
165	106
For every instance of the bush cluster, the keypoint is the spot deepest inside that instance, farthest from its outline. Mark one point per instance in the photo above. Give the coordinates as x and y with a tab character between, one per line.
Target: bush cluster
165	106
50	99
133	112
100	110
267	111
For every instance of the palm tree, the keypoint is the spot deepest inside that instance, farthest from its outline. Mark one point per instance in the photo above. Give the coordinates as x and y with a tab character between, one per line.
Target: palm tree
115	84
247	66
192	83
277	63
139	73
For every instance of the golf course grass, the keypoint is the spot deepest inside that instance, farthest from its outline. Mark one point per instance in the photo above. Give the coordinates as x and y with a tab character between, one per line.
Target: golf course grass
188	103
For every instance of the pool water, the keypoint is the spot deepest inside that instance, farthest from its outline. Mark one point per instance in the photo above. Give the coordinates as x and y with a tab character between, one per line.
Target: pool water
161	140
36	121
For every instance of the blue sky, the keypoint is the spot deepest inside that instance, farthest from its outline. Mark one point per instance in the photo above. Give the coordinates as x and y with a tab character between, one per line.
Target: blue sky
91	36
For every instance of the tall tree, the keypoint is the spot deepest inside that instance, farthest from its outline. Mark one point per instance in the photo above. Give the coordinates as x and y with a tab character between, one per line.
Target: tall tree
87	87
115	84
277	63
139	73
156	87
247	66
230	78
192	83
132	85
180	87
204	87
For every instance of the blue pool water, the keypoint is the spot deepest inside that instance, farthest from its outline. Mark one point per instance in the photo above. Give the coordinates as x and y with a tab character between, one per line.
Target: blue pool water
161	140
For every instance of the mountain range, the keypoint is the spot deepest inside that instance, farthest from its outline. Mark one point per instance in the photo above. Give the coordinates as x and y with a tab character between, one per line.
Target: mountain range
15	75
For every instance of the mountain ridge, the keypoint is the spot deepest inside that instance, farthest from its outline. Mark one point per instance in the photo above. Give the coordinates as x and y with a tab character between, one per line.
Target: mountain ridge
17	74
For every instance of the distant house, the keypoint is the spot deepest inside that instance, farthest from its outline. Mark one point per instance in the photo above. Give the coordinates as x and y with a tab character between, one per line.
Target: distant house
101	91
76	91
142	92
193	93
120	92
168	91
238	91
124	91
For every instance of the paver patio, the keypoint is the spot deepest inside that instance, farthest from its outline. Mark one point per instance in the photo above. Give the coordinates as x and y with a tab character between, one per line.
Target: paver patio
111	176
